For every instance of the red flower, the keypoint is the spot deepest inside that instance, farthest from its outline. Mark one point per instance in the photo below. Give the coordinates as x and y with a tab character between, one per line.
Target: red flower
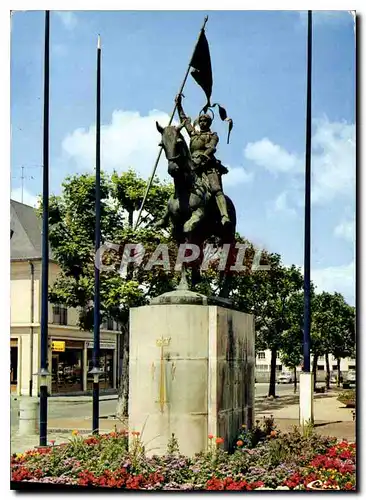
239	443
219	440
210	436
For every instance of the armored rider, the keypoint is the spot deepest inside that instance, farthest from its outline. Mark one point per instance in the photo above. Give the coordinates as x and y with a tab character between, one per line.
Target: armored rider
202	146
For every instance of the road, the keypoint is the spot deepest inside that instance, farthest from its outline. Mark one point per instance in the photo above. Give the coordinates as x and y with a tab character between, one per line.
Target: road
262	389
62	409
79	410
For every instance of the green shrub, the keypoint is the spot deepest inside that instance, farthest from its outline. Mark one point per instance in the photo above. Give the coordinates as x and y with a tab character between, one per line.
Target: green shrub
348	398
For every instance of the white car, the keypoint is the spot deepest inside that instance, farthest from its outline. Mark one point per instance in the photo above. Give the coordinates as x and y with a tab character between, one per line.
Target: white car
350	379
285	378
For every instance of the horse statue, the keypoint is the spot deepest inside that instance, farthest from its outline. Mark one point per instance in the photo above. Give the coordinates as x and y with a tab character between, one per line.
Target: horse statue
192	209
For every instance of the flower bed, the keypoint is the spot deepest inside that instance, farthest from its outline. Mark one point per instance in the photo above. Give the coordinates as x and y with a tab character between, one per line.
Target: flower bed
277	461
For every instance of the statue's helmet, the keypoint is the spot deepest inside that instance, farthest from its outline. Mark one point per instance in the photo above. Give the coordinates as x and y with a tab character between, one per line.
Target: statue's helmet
205	116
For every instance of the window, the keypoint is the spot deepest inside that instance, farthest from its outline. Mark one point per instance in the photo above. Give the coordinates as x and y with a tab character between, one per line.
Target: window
334	367
108	324
261	355
320	368
59	315
262	368
351	367
279	368
67	370
278	355
106	365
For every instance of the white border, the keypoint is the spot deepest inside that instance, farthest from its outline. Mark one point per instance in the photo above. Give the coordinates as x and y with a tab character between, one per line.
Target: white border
4	106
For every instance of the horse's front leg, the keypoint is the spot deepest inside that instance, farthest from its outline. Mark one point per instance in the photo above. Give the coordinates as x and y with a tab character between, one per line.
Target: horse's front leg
164	220
197	209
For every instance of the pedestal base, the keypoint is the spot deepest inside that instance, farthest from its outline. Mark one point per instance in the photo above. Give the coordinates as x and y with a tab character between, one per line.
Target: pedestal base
28	416
191	375
306	407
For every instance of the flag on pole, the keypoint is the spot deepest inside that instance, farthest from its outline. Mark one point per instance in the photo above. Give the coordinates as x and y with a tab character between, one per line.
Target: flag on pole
201	64
202	73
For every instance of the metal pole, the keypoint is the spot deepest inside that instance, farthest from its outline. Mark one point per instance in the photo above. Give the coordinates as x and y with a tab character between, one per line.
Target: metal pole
44	311
307	250
96	347
170	121
22	177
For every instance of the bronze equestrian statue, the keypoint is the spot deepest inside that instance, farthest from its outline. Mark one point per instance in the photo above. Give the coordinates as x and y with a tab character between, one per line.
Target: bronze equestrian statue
198	210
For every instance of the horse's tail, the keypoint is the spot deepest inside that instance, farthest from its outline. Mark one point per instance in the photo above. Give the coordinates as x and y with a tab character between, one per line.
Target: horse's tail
232	216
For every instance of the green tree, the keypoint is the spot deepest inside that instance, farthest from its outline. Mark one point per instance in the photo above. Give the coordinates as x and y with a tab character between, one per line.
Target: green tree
267	295
291	353
71	234
332	330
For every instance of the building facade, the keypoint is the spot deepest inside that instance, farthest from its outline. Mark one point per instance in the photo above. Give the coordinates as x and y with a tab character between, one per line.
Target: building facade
69	348
263	366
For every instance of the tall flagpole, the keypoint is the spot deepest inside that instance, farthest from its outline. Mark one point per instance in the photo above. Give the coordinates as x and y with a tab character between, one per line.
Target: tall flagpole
306	388
307	250
96	347
44	373
170	121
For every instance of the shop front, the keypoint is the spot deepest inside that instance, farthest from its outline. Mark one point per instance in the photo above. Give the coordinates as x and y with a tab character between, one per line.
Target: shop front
67	366
106	363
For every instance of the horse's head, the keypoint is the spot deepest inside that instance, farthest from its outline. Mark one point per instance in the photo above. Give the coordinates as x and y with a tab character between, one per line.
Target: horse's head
175	148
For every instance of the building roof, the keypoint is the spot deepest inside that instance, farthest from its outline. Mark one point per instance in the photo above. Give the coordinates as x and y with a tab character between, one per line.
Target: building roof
26	239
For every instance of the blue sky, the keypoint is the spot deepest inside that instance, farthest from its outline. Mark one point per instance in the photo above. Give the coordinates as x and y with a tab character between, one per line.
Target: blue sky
259	68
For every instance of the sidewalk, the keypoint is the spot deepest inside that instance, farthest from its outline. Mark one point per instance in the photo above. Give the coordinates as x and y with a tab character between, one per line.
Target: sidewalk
331	418
82	398
60	431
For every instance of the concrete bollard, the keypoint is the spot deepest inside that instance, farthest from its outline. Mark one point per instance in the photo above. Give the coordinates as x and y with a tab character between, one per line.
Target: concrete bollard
28	416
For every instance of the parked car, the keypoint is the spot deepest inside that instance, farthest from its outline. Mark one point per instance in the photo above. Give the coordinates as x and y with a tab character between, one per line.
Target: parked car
333	378
350	379
285	378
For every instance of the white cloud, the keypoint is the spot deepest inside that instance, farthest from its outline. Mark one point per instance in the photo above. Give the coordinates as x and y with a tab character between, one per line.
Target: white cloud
28	198
281	205
131	141
236	176
336	279
272	157
68	19
346	229
333	161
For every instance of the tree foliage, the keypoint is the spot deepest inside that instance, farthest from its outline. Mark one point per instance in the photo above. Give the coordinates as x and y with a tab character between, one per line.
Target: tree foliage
71	233
274	296
270	296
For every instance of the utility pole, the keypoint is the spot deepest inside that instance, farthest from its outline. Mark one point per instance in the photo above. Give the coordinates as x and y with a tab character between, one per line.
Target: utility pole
44	373
96	371
306	378
22	181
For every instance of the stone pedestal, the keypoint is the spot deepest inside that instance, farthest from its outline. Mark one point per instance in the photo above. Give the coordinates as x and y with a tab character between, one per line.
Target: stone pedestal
28	416
306	400
191	374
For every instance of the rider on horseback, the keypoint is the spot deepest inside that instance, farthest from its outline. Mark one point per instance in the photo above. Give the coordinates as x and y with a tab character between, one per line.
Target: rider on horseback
202	147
